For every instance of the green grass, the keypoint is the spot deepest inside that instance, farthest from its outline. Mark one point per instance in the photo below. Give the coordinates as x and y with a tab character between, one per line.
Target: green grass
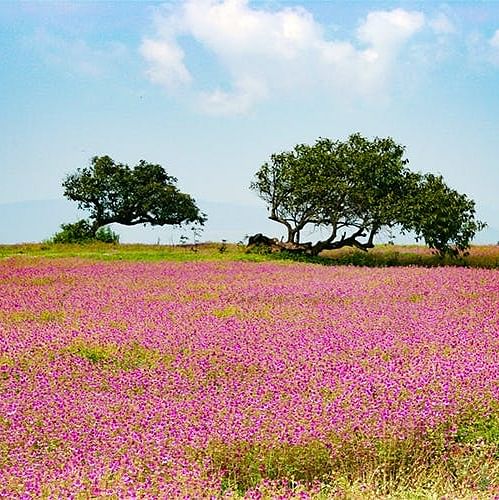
433	465
131	252
380	256
124	357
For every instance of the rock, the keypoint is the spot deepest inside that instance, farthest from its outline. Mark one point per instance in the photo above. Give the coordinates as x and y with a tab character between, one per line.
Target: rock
261	239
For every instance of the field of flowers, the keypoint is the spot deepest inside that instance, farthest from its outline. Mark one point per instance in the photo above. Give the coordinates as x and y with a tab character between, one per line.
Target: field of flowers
264	380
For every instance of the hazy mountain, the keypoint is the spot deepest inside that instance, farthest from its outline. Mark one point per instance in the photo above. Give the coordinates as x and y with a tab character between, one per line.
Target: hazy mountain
34	221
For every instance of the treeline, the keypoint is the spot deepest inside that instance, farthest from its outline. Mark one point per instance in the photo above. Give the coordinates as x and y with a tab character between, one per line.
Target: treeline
351	190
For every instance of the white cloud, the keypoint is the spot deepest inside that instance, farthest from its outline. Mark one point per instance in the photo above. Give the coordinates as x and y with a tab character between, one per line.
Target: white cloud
266	52
231	28
166	62
389	29
247	92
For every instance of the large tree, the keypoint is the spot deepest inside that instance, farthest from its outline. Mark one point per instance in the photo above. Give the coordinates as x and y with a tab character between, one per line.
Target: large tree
144	194
353	189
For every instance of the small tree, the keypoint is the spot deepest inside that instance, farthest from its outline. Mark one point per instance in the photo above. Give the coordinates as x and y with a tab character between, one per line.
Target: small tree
354	189
442	217
144	194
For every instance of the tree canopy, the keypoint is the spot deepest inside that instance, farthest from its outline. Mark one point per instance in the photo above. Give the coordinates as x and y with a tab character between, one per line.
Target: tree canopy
355	188
144	194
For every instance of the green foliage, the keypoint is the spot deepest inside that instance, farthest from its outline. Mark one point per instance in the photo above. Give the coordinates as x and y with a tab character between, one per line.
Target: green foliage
434	463
355	188
95	354
82	232
482	429
442	217
245	465
144	194
74	232
107	235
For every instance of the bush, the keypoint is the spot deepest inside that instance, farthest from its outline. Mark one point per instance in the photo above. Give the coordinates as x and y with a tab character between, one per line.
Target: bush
107	235
81	232
74	232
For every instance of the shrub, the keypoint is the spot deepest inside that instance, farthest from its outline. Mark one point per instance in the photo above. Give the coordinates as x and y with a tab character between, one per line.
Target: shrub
74	232
107	235
82	232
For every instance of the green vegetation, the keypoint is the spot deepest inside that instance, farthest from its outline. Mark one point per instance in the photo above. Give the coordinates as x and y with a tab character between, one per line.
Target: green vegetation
379	256
484	430
122	357
114	192
431	465
22	316
457	458
353	189
82	232
132	252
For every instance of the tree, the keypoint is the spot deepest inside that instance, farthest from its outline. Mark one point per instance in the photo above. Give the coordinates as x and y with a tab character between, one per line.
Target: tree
442	217
355	188
144	194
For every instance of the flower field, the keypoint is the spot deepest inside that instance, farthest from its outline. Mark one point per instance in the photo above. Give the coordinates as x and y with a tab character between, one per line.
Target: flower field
264	380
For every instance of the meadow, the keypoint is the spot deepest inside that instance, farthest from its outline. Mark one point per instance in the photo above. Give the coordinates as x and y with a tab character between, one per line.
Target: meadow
483	256
143	372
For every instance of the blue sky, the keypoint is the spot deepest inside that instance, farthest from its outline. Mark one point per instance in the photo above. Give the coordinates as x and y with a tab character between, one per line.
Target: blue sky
209	89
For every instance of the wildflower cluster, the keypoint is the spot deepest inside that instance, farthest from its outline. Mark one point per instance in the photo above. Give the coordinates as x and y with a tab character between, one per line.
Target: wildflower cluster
231	378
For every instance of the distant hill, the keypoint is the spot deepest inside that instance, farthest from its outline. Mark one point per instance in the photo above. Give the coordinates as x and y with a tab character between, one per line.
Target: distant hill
34	221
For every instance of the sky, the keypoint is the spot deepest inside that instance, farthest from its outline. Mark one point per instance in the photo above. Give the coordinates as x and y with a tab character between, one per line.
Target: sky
210	89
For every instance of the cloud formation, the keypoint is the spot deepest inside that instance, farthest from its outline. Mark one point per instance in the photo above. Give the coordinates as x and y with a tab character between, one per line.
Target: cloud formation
266	52
166	63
